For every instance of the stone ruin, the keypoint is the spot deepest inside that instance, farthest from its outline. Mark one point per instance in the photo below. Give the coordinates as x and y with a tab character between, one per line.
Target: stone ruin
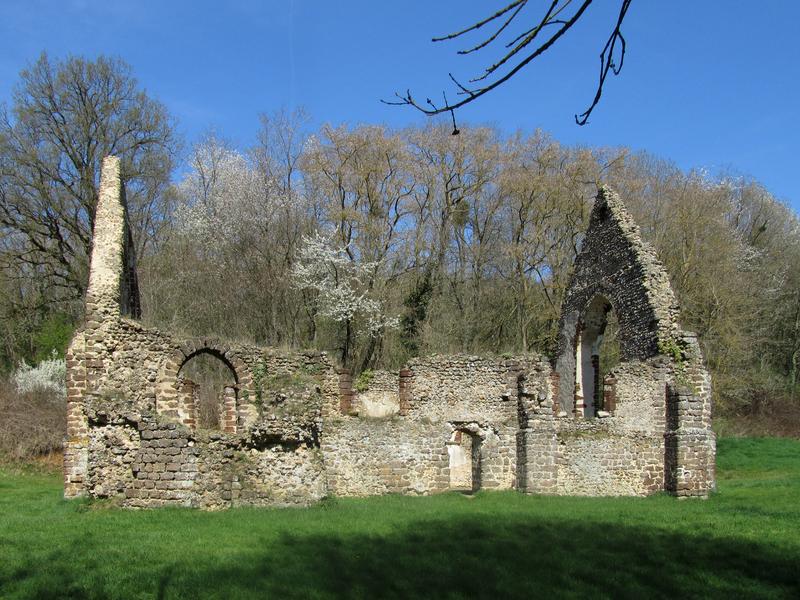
291	428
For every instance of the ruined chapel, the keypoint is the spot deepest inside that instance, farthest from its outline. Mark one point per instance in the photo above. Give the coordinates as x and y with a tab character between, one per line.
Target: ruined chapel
292	429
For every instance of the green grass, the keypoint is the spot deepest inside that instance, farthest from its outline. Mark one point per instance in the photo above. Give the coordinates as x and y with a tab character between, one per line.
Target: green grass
743	542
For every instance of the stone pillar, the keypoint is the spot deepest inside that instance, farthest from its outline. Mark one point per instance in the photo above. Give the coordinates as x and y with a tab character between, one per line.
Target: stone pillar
690	448
690	442
694	440
228	416
346	392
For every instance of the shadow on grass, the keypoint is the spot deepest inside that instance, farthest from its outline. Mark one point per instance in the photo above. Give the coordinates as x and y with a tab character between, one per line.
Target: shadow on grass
521	559
467	557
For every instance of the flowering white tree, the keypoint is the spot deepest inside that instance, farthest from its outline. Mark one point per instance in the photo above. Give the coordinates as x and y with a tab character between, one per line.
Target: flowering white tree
50	375
342	289
221	195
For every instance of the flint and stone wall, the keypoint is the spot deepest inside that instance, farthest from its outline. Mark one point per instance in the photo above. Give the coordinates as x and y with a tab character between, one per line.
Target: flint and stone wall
408	453
293	429
660	429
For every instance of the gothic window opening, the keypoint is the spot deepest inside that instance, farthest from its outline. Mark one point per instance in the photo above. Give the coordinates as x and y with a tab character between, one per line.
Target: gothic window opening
597	352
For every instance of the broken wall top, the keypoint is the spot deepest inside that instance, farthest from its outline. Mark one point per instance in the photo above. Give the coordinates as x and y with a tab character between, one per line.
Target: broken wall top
616	264
113	287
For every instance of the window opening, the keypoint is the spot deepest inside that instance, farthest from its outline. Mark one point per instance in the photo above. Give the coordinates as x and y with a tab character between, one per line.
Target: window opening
208	387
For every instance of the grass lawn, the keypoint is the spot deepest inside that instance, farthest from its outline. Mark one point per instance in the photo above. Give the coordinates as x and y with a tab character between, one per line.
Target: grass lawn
743	542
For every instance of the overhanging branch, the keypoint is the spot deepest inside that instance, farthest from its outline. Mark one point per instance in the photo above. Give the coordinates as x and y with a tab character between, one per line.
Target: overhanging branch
520	53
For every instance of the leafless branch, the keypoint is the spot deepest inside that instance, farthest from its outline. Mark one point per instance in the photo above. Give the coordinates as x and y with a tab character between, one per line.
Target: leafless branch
519	51
607	61
480	24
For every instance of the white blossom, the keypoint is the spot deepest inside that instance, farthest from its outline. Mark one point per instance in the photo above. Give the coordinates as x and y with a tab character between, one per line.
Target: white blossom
49	375
226	199
341	285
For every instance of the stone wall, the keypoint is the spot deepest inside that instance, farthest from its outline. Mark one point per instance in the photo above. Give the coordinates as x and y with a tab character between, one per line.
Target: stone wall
293	429
129	397
366	456
622	453
446	396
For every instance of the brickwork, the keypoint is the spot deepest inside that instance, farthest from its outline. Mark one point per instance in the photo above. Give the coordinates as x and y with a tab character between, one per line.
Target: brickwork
292	428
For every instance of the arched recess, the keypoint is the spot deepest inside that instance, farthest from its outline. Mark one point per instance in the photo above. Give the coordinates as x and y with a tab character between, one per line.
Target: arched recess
177	395
207	389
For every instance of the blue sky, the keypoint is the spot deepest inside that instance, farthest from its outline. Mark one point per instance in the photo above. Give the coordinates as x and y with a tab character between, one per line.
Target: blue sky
712	84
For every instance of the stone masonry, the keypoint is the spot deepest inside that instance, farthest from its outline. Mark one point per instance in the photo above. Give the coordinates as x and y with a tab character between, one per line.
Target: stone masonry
292	428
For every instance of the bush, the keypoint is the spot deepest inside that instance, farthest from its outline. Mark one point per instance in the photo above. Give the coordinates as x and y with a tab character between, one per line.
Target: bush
49	376
777	415
32	422
52	337
361	384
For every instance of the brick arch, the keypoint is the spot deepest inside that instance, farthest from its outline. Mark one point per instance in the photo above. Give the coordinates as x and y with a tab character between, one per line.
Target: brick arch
219	355
615	264
192	348
169	397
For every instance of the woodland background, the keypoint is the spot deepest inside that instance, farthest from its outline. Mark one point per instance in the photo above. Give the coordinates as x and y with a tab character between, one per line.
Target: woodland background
372	243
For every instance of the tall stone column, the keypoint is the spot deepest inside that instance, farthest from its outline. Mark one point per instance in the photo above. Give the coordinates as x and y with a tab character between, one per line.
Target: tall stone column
86	354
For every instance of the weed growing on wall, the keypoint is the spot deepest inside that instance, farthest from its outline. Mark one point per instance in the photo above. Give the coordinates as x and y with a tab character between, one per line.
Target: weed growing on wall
361	384
677	351
259	373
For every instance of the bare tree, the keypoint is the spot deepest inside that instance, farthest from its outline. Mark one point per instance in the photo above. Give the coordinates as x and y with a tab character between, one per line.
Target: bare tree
65	117
522	48
470	240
